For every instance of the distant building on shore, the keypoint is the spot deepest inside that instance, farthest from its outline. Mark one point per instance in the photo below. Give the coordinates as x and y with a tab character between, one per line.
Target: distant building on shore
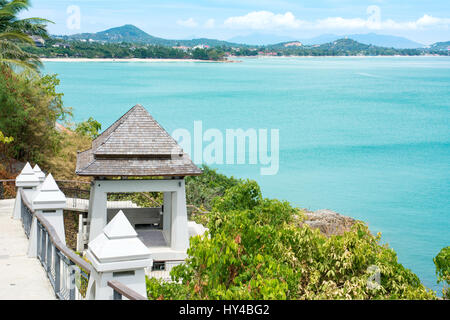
183	48
61	45
201	46
293	44
38	41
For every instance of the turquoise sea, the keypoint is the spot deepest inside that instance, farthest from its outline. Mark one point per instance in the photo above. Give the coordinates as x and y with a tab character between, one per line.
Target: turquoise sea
368	137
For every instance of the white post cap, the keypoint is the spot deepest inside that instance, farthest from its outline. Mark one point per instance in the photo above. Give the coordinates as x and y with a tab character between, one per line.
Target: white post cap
118	247
49	197
39	173
27	178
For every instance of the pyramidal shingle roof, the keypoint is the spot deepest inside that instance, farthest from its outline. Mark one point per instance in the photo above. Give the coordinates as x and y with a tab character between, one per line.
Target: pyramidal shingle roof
135	145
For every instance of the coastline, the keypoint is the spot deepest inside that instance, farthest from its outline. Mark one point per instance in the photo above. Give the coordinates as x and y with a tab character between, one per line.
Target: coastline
230	59
124	60
355	56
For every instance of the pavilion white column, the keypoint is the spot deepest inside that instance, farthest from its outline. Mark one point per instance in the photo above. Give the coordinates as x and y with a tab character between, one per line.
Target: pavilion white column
167	214
117	254
179	233
97	215
50	202
28	182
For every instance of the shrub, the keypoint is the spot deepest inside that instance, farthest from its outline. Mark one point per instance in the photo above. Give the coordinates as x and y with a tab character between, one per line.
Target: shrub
254	250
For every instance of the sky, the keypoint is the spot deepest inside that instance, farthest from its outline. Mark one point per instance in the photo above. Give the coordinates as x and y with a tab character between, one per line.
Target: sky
424	21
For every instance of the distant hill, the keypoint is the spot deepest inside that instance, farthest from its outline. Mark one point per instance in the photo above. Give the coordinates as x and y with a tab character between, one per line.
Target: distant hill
259	39
340	47
386	41
345	45
369	38
324	38
335	45
379	40
132	34
126	33
441	46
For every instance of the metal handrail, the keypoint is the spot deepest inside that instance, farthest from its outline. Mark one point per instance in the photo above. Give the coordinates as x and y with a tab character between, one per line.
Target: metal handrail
55	239
122	290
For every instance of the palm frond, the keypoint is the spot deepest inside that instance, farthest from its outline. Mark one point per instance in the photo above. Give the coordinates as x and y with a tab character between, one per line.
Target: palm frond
15	6
16	36
14	31
24	65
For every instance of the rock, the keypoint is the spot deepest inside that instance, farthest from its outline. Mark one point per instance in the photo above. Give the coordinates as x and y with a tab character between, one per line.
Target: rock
329	222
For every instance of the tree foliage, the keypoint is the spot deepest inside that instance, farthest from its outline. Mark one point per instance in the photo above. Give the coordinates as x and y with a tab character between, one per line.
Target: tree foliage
55	48
5	140
203	189
254	250
29	108
442	263
90	128
15	32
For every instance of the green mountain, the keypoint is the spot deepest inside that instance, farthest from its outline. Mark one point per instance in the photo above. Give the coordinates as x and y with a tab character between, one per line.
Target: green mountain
337	46
132	34
440	46
345	45
126	33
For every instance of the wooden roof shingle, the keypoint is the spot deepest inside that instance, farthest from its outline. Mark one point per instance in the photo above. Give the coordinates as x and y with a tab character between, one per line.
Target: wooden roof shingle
135	145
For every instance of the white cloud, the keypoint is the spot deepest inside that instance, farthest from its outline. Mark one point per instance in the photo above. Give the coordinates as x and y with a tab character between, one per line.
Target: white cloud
190	23
266	20
261	20
210	23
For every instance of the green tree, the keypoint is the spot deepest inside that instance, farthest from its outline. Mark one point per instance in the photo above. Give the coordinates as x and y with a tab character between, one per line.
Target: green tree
15	31
90	128
255	250
5	140
442	263
29	108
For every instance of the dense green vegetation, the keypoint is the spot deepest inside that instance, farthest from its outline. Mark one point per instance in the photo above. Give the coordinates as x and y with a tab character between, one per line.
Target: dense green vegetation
442	263
78	49
346	47
30	105
29	108
90	128
255	250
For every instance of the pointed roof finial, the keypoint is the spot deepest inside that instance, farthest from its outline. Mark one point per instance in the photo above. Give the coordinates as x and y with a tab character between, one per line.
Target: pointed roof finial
39	173
49	184
119	227
118	244
27	177
49	196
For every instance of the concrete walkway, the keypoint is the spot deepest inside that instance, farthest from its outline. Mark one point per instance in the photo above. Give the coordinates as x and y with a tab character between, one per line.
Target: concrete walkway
21	278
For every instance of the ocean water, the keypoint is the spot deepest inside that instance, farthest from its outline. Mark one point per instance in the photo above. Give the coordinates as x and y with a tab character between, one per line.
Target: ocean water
367	137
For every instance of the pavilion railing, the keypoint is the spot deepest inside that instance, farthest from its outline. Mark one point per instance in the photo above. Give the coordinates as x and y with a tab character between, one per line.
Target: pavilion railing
65	269
161	269
76	192
121	290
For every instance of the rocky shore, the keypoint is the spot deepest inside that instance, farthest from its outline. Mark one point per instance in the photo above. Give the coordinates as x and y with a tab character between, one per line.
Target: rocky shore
328	222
